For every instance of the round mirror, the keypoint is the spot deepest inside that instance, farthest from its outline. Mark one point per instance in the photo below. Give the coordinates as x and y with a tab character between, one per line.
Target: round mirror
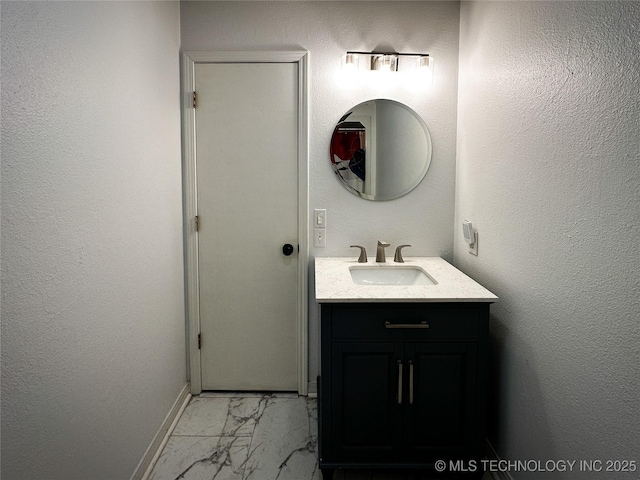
380	150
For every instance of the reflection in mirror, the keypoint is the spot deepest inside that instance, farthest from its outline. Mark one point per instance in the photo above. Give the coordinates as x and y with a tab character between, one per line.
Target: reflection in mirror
380	150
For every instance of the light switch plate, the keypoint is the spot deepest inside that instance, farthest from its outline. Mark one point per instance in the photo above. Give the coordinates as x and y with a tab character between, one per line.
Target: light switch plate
473	248
320	218
319	237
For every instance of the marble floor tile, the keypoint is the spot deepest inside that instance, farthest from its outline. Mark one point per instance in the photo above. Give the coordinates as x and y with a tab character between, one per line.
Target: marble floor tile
242	415
284	444
202	458
219	416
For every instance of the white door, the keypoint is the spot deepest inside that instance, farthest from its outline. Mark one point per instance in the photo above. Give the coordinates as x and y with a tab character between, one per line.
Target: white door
246	123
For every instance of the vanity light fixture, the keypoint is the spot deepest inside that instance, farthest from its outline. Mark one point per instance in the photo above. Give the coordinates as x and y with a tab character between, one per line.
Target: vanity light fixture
385	61
350	61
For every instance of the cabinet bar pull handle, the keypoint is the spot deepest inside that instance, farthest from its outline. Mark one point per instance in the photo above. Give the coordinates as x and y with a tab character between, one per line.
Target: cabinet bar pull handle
399	382
423	324
411	382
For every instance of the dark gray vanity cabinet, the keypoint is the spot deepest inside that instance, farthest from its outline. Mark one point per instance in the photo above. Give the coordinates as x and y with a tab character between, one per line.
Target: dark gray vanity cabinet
402	385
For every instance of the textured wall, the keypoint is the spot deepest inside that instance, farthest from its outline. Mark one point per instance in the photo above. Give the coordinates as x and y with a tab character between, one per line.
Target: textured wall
549	172
92	276
328	29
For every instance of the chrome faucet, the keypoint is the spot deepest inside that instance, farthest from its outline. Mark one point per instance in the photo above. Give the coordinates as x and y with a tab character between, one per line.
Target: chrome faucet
380	256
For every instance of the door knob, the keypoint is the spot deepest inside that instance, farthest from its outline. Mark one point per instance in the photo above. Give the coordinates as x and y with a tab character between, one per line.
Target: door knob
287	249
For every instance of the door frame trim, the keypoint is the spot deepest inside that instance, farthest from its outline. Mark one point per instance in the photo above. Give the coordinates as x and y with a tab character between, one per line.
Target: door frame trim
190	206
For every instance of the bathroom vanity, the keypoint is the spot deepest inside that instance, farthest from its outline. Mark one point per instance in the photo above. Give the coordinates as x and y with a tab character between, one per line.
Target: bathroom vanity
403	365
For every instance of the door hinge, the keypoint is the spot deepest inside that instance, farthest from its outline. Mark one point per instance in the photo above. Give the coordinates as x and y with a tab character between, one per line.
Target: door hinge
197	223
194	99
199	341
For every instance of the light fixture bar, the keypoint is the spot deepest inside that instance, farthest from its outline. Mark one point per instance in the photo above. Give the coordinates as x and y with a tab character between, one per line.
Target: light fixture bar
384	60
389	53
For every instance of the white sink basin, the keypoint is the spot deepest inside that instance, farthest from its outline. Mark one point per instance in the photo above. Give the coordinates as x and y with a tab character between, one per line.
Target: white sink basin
390	275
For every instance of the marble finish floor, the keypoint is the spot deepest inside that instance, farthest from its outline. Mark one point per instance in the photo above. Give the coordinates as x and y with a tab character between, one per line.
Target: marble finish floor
242	437
228	436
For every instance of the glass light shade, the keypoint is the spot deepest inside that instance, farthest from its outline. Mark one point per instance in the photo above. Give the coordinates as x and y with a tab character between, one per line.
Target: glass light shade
424	69
350	62
423	63
385	63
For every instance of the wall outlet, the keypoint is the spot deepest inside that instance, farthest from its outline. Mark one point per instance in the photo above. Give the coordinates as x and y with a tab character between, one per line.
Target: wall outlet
319	237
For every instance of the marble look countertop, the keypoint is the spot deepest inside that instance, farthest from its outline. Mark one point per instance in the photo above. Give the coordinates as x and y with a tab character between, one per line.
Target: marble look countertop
334	283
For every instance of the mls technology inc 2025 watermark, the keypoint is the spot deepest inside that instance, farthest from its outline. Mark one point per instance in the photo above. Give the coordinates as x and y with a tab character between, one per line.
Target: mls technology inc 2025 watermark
541	466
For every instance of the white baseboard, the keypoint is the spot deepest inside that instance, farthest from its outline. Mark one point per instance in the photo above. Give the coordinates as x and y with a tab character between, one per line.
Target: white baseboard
493	455
312	390
150	457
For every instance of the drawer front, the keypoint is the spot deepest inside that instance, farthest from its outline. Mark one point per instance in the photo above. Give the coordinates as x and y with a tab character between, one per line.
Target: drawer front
402	322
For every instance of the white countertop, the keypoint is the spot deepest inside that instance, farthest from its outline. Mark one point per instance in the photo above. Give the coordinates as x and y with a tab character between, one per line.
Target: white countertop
334	283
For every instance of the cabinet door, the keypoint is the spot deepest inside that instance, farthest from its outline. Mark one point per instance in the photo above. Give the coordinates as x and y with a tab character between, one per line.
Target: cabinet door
440	412
366	418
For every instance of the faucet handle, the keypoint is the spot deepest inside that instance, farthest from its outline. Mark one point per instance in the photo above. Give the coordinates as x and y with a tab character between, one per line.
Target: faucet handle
398	256
363	253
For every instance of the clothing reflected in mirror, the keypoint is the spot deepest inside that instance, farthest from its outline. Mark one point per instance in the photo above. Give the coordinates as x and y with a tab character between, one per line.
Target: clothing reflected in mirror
380	150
